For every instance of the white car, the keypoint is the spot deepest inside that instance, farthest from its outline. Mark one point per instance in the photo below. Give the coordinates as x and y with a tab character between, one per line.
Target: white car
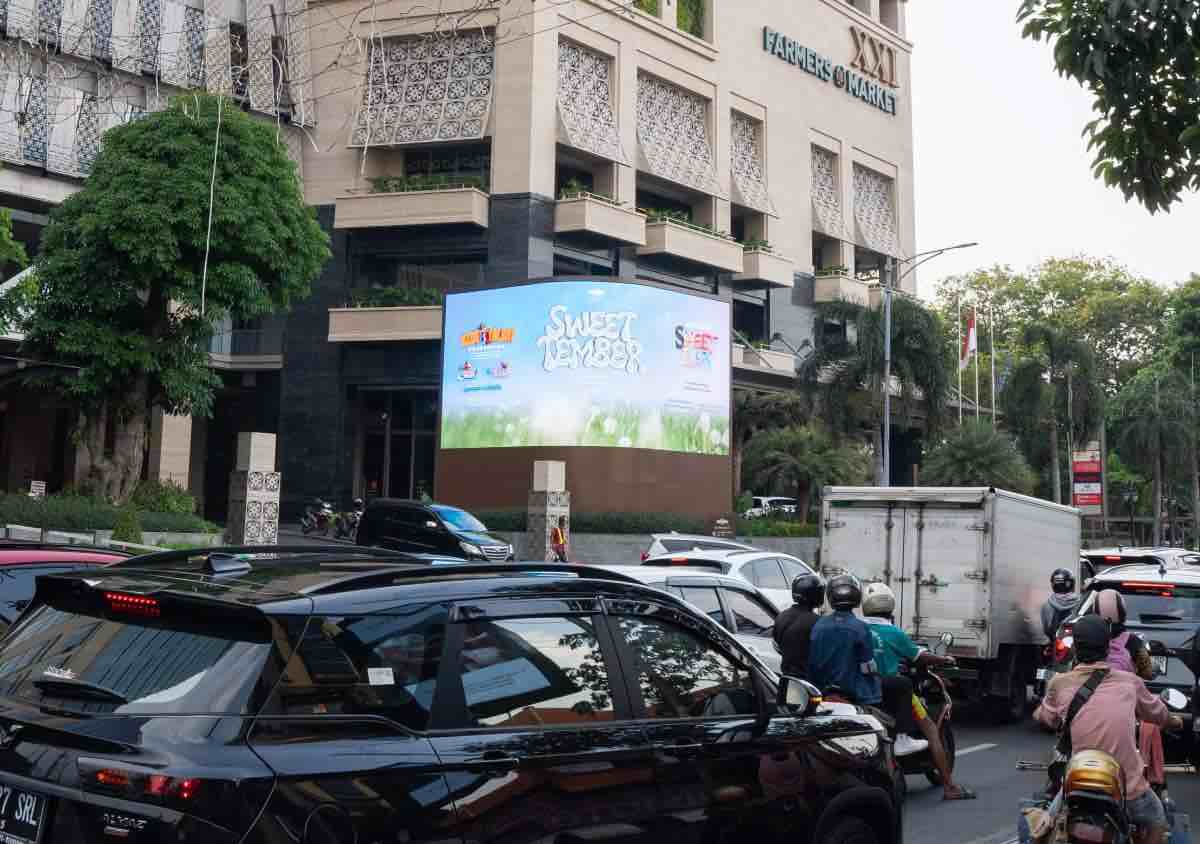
765	505
729	601
675	543
771	571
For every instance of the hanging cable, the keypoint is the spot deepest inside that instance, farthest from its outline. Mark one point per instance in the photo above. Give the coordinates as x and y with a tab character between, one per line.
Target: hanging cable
212	190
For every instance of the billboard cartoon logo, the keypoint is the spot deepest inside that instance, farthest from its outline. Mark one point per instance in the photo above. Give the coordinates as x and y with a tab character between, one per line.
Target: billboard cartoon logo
467	371
486	336
500	370
696	344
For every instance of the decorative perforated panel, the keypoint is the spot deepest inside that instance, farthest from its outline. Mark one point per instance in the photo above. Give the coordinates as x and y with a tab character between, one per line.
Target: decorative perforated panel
875	211
101	27
63	108
746	164
218	78
428	89
672	132
826	194
299	68
260	26
585	102
49	16
149	23
87	134
35	131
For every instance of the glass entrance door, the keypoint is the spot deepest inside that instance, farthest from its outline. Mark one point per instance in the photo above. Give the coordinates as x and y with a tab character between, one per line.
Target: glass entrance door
398	431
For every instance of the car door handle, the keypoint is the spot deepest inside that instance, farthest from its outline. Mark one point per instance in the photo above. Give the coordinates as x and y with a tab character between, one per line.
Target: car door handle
495	763
682	748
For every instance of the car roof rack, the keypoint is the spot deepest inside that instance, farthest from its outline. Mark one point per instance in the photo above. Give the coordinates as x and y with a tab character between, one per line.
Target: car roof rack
265	552
389	576
34	545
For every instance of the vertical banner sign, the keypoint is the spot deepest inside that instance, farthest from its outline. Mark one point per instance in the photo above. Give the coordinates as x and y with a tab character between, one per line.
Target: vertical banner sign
1087	478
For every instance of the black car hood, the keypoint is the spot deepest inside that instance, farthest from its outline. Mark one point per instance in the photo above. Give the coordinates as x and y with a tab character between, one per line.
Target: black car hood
479	538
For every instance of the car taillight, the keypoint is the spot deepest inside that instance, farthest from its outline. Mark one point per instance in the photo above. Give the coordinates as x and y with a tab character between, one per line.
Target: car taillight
678	561
1163	590
645	556
1063	645
138	785
132	604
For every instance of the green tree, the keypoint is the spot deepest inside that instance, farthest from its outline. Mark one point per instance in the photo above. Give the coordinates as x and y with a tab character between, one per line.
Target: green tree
1139	60
845	373
1183	351
802	458
1154	413
754	412
121	291
1054	387
12	251
977	454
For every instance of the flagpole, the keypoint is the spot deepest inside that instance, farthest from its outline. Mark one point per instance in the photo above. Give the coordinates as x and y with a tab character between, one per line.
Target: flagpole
960	361
992	348
975	325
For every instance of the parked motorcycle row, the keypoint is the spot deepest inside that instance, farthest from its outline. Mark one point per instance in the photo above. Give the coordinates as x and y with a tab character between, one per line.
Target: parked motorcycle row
321	519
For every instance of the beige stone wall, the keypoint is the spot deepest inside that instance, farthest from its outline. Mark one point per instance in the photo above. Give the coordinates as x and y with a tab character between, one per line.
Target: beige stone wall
731	71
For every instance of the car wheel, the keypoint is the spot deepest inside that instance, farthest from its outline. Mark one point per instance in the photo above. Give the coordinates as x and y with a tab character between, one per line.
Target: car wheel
851	831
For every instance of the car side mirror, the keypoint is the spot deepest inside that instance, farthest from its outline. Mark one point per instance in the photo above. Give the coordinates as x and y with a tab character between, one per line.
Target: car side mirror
797	697
945	641
1174	699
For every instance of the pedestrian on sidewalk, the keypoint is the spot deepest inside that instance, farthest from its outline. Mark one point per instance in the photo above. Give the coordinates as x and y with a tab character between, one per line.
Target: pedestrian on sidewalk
558	540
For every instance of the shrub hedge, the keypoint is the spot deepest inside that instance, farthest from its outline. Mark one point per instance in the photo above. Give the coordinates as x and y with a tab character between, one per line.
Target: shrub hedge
644	523
128	527
163	497
78	512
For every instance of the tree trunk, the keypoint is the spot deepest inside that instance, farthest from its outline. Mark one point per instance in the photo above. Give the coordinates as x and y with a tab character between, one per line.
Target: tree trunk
738	449
1055	468
1156	504
877	443
803	500
114	475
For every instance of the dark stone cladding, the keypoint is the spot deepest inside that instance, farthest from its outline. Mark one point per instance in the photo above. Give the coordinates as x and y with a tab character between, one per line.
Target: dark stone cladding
520	238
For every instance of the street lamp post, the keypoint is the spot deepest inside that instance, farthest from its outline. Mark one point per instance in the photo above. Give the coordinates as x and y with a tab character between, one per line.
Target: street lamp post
885	477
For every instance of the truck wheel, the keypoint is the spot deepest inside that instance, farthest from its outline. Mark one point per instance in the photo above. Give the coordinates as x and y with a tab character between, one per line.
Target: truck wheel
851	831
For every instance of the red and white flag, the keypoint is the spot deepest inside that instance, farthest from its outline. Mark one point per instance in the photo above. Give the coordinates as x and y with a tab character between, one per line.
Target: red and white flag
970	345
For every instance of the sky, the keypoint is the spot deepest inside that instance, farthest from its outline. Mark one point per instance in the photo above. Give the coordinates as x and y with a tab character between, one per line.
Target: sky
1000	158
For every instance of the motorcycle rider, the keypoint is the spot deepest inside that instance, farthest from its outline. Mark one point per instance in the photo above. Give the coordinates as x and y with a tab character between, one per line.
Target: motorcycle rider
1105	721
793	627
1129	652
1061	603
893	645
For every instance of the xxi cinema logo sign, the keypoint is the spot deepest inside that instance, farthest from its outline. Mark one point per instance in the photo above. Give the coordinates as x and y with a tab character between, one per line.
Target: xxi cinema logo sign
874	57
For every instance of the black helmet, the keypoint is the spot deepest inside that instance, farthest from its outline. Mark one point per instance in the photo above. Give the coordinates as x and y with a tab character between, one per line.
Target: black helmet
1062	581
808	590
844	591
1091	639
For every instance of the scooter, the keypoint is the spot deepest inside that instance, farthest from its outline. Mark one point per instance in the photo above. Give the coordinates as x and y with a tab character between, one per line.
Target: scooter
932	691
345	525
317	518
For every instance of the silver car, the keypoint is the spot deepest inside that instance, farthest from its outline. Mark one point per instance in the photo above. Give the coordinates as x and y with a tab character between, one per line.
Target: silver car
771	571
674	543
729	601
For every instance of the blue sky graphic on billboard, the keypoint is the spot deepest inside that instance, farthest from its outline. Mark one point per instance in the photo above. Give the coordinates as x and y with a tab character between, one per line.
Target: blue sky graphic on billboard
586	363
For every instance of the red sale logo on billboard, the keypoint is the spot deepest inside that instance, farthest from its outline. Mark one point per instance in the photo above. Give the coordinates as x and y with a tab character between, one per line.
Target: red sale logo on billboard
1088	480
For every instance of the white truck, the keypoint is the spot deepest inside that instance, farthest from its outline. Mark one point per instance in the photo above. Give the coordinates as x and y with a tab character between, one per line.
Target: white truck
974	562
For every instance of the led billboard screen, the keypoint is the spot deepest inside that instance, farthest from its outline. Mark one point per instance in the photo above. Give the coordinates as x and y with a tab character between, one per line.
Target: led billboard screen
586	363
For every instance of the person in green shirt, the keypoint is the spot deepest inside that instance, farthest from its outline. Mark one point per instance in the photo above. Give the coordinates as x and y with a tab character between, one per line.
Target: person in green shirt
893	646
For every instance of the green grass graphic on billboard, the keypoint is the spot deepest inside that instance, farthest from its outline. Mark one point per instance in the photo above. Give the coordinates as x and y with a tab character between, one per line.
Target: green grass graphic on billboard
586	363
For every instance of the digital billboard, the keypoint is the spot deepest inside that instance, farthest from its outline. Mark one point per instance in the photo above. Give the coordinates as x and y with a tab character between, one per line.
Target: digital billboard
586	363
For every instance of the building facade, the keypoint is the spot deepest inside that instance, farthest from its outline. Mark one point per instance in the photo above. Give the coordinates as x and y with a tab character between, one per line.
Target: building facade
754	150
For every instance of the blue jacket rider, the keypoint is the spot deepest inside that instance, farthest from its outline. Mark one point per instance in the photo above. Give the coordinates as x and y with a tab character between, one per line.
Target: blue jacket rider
842	651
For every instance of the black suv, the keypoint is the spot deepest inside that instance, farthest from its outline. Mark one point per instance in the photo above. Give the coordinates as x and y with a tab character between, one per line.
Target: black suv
333	695
402	525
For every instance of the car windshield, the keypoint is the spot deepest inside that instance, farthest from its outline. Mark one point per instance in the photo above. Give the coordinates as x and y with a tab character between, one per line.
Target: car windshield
1153	603
459	519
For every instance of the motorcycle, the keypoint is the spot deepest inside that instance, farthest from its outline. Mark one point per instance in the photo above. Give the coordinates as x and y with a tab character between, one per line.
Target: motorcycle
931	689
345	525
317	518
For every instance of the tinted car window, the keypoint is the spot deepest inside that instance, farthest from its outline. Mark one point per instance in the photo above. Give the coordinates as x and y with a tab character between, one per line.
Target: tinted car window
381	664
409	517
1151	604
704	598
682	676
17	586
749	616
674	545
137	667
534	671
766	574
460	519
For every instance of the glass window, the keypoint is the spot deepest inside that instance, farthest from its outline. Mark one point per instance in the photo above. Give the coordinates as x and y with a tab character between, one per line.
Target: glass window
766	574
368	664
793	569
459	519
536	671
682	676
750	617
16	589
705	599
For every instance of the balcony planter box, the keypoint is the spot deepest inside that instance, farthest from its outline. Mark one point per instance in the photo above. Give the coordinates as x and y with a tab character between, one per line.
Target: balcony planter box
691	244
765	269
770	360
365	325
411	208
591	215
837	288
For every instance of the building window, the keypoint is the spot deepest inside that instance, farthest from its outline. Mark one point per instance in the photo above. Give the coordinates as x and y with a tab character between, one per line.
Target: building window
891	15
431	89
691	17
399	443
468	161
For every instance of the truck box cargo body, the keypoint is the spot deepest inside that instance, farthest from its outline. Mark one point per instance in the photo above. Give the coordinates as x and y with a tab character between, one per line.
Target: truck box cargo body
974	562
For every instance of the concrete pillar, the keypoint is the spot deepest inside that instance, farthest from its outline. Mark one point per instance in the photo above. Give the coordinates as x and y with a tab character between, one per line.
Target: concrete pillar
548	501
170	448
254	492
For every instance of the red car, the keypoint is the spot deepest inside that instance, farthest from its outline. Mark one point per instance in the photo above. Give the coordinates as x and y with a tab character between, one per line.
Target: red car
20	563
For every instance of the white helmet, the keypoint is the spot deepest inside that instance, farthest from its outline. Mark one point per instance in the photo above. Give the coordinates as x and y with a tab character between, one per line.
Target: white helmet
878	599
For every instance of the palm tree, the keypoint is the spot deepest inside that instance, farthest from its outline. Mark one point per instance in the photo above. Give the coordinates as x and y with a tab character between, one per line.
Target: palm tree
755	412
802	458
1154	412
845	373
977	454
1056	383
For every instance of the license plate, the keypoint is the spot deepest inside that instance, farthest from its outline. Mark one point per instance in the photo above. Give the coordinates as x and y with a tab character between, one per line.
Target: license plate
21	816
1160	665
1041	673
